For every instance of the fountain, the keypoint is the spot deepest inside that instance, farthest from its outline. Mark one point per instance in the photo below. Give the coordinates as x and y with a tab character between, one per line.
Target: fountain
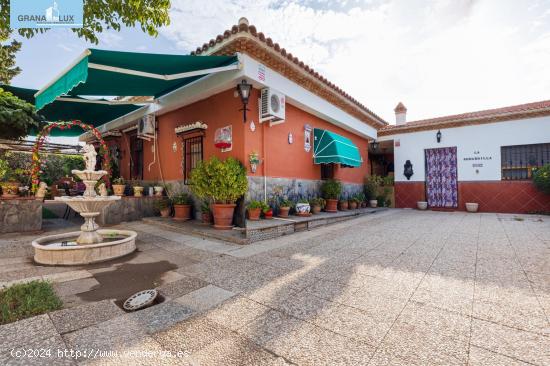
91	244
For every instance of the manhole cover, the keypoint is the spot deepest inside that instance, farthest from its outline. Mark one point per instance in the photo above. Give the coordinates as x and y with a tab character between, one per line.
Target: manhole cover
140	300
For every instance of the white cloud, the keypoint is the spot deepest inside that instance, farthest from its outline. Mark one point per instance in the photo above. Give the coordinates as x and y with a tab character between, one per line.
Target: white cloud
438	57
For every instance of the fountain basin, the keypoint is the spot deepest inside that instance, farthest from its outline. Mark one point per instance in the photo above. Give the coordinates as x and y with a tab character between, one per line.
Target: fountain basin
115	244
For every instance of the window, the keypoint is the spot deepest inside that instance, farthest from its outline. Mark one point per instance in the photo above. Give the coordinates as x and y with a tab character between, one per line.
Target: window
192	153
327	171
518	161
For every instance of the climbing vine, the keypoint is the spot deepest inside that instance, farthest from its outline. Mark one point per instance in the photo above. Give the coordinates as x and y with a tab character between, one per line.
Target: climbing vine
43	135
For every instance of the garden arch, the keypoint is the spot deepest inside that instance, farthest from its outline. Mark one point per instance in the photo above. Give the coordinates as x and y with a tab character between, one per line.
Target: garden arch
43	135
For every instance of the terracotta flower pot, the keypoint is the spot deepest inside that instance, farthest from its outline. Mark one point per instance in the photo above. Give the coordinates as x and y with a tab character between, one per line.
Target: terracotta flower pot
254	213
364	204
182	212
352	205
10	189
118	189
165	212
331	205
283	211
138	191
316	209
223	215
343	205
206	218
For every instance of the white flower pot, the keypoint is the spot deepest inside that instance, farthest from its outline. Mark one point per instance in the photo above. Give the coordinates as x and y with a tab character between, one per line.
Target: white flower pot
373	203
472	207
422	205
303	208
158	190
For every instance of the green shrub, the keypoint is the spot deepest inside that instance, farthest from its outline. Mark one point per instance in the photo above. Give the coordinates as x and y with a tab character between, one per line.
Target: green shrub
205	206
285	203
381	201
541	178
331	189
181	199
119	181
371	186
220	181
27	299
255	204
161	204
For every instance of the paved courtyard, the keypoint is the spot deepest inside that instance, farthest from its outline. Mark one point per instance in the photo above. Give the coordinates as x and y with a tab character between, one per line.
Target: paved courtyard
397	287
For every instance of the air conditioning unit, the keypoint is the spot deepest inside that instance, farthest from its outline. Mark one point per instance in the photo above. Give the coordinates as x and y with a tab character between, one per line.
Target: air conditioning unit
146	126
272	106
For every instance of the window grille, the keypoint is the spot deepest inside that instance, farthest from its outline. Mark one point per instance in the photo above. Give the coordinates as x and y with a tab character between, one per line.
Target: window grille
518	161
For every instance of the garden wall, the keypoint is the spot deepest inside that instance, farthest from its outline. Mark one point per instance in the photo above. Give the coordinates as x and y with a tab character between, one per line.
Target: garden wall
127	209
20	214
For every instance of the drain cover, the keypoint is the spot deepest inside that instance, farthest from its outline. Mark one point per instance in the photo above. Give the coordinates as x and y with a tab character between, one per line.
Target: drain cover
140	300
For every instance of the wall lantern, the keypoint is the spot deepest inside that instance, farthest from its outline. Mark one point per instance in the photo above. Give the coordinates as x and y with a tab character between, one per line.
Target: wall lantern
244	92
374	145
438	136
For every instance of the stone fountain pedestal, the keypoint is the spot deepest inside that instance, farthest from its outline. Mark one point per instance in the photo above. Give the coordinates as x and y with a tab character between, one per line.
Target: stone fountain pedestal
91	244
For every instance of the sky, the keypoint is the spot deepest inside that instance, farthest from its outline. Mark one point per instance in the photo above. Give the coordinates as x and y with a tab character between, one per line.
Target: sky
438	57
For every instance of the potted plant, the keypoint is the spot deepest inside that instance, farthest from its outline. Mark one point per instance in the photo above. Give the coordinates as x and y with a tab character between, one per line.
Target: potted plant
316	204
163	205
254	209
303	208
284	207
371	186
343	205
182	206
361	199
8	181
267	211
119	186
222	182
158	189
206	215
352	203
331	190
138	189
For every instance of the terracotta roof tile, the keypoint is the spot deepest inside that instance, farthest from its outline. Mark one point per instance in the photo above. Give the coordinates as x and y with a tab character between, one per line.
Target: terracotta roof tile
244	27
521	111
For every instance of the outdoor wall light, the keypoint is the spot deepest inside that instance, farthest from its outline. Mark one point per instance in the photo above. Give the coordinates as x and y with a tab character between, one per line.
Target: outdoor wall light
374	145
438	136
244	92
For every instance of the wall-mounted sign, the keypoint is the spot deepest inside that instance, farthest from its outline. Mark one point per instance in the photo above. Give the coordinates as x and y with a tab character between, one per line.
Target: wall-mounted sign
261	72
307	138
223	138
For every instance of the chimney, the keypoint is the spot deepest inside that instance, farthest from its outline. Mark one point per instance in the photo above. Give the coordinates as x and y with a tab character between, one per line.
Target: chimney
400	114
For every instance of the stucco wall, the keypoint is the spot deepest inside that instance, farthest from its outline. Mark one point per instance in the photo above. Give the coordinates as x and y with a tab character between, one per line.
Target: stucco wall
281	159
471	141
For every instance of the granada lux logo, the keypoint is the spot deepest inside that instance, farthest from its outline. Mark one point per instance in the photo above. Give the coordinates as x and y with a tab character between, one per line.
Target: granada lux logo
51	15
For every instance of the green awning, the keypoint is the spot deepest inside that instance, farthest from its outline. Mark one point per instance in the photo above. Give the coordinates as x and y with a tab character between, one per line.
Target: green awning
96	112
113	73
329	147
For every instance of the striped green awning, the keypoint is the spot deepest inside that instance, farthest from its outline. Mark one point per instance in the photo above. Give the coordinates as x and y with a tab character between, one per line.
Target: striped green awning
103	73
329	147
95	112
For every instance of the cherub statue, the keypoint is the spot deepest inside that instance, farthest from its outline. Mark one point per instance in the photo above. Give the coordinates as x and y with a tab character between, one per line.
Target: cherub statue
103	190
41	192
90	157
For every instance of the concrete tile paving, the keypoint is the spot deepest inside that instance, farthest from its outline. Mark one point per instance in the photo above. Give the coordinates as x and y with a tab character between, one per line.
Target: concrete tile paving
401	287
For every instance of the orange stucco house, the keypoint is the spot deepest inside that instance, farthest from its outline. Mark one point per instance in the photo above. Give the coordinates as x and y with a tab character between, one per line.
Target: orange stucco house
188	122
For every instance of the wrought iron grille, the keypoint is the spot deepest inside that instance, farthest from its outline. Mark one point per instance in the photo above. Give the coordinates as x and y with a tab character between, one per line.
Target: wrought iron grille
518	161
193	154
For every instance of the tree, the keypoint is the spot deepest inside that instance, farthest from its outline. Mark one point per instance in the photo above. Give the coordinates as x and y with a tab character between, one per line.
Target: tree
17	117
8	70
98	16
